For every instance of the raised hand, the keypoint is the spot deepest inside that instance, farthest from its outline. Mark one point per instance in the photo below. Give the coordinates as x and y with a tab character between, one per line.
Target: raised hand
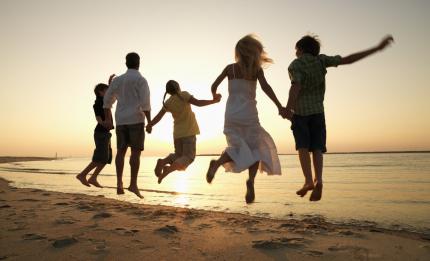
388	40
111	78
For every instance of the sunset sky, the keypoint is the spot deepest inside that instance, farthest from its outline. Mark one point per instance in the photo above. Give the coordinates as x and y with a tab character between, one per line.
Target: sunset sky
52	53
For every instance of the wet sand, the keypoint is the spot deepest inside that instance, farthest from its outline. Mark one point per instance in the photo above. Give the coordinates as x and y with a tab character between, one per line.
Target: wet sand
53	225
8	159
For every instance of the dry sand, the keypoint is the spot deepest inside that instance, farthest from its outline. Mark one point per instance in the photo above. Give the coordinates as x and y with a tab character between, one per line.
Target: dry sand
43	225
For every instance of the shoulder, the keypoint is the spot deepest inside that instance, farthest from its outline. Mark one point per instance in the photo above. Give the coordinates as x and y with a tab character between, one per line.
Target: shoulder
141	79
298	62
186	95
168	102
328	61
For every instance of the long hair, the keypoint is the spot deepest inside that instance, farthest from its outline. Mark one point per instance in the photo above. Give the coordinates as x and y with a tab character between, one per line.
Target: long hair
172	88
250	55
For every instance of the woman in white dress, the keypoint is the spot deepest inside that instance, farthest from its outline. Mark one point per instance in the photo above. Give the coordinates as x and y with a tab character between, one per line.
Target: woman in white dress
249	145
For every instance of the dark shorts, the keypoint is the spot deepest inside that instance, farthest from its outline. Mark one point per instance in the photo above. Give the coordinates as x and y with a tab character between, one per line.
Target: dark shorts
103	152
132	136
309	132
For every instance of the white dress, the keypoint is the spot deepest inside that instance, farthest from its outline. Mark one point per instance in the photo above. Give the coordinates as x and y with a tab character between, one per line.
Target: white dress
247	141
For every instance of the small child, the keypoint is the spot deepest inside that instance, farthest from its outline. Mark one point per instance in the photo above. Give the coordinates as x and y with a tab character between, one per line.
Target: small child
185	128
305	106
103	153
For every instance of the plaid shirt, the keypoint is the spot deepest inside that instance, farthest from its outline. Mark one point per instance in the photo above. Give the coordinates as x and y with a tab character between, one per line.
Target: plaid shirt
309	71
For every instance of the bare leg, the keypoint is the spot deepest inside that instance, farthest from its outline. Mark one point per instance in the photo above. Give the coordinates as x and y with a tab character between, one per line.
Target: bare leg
134	168
119	164
82	177
215	164
317	157
250	193
169	169
93	179
161	163
305	162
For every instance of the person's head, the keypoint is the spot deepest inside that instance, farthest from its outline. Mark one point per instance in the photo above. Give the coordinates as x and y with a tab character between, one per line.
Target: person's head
250	55
172	88
308	44
100	89
132	60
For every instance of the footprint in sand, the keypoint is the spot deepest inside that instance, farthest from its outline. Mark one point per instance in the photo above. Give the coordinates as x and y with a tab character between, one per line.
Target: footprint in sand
204	226
32	236
167	230
102	215
125	232
64	242
65	221
296	242
315	253
29	200
358	252
62	204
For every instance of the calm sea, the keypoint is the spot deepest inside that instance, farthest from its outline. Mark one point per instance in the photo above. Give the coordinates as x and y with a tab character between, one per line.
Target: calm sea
391	189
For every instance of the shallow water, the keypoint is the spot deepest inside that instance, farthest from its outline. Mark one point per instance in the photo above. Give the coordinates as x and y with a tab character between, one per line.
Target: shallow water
391	189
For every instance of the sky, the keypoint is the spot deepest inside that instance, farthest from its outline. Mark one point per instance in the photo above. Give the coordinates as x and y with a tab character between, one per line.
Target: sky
53	53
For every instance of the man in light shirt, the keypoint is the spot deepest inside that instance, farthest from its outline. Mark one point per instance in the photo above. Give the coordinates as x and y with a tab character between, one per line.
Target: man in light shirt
132	93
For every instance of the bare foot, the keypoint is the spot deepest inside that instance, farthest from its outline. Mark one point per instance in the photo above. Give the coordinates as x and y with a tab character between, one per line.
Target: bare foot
211	172
304	190
316	192
158	168
94	182
83	180
163	174
250	193
119	189
135	190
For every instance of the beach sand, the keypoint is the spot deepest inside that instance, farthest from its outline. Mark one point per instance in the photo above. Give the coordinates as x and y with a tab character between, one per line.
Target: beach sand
44	225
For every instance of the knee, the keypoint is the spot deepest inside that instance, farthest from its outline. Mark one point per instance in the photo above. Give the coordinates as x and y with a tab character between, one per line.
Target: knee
121	153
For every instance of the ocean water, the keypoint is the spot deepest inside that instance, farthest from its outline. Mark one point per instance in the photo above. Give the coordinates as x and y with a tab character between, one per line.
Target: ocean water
390	189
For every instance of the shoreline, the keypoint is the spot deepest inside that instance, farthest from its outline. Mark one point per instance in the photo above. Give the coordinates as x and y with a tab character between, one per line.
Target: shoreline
57	225
11	159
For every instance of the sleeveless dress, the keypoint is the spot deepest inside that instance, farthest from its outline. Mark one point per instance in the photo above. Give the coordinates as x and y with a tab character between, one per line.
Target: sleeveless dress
247	141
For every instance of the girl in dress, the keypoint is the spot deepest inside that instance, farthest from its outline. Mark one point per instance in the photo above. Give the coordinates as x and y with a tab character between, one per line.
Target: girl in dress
249	145
185	128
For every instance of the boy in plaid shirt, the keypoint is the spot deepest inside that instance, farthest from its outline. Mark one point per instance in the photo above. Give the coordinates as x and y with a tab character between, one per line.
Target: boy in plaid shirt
305	107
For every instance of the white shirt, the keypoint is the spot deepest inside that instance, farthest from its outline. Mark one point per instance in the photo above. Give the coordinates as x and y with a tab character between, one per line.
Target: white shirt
131	91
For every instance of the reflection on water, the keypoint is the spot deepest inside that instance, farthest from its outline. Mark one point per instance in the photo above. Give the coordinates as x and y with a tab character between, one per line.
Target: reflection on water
391	189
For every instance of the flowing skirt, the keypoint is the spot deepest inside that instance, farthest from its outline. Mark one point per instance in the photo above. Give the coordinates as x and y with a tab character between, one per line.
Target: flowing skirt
248	144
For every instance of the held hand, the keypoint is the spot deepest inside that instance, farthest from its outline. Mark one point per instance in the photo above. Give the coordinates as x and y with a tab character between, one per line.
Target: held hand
111	78
289	115
149	128
286	113
388	40
217	97
282	111
107	125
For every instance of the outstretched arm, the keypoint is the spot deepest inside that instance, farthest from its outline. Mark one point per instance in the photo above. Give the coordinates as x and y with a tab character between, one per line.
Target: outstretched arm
201	103
156	119
267	89
218	81
360	55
